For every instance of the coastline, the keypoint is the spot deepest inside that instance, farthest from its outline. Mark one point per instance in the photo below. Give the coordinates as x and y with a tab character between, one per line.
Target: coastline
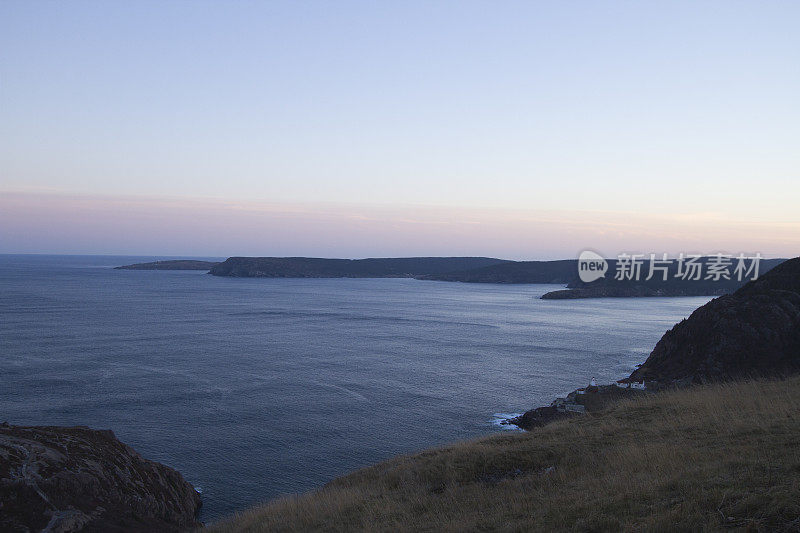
479	270
657	462
590	399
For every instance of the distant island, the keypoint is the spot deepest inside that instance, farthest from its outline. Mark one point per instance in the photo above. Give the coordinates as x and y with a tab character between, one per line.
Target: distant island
469	270
314	267
174	264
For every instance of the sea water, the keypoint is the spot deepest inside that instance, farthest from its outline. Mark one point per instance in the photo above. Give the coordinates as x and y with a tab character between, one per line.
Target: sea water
255	388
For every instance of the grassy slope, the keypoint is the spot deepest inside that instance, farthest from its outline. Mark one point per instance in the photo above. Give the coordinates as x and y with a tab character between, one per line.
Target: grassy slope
712	457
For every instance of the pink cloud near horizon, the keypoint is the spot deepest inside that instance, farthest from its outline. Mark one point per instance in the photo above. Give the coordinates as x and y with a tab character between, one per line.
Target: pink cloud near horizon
42	222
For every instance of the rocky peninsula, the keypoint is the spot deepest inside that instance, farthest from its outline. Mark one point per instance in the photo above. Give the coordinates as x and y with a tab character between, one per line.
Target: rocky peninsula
174	264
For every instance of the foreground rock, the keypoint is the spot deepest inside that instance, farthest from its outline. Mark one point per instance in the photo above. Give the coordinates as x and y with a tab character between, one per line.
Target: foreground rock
62	479
176	264
752	332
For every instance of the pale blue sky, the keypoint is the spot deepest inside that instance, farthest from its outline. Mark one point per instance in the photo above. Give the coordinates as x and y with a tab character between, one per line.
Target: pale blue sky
625	107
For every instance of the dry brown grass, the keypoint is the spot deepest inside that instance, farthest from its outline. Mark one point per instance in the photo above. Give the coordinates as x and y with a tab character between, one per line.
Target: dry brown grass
708	458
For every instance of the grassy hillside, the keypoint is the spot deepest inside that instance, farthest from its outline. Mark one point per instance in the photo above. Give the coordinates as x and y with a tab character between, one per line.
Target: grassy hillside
710	457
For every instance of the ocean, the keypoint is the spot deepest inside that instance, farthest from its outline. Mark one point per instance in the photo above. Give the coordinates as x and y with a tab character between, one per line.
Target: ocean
256	388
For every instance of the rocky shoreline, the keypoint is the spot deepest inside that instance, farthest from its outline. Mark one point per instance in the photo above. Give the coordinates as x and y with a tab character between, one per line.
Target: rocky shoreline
752	333
635	291
580	401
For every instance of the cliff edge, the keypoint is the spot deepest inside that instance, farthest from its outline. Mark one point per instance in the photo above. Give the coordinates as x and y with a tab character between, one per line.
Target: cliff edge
752	332
62	479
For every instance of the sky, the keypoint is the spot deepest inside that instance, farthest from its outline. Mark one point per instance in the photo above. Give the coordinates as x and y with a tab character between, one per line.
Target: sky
524	130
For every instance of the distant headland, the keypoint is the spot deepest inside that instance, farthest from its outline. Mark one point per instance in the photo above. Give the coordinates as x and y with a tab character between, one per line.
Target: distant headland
175	264
313	267
467	270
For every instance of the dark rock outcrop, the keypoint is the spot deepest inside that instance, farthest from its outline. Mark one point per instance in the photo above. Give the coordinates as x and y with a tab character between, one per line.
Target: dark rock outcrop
585	400
538	417
79	479
175	264
752	332
314	267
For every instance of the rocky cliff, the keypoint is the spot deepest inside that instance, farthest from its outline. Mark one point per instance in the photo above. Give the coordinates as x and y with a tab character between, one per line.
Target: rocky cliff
63	479
752	332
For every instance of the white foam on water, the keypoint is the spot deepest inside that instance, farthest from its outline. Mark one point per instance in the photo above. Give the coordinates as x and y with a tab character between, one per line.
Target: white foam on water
498	418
